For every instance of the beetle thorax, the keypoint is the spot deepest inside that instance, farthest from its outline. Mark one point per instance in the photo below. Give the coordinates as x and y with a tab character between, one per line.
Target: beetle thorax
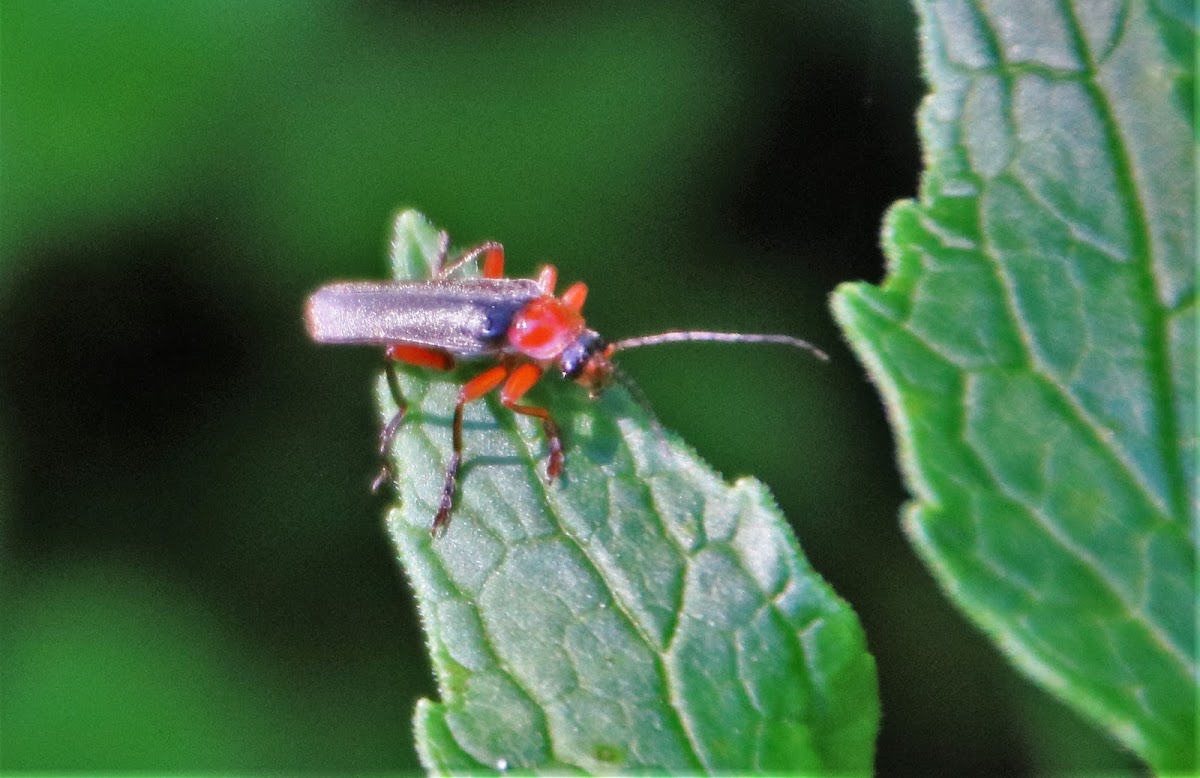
544	327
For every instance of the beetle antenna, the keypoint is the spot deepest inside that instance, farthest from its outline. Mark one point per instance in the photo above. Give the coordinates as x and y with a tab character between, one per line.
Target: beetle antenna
716	337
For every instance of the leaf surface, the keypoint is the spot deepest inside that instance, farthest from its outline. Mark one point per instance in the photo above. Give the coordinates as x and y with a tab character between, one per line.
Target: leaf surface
639	614
1035	346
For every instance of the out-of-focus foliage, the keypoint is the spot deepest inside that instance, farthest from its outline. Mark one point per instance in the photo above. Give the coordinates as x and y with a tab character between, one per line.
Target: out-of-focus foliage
185	584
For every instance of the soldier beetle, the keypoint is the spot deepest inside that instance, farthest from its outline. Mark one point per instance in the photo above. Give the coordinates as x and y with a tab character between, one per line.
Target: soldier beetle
516	323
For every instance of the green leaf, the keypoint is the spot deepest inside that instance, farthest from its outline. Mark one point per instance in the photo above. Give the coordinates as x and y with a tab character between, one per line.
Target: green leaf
1035	346
639	614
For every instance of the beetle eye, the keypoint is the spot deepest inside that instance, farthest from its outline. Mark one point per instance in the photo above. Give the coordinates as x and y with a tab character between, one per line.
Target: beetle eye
574	358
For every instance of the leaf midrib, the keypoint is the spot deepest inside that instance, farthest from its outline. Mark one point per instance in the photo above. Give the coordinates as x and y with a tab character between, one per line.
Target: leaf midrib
1143	253
509	424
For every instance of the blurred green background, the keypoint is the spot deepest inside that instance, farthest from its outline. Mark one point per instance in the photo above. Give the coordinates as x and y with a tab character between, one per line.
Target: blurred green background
194	574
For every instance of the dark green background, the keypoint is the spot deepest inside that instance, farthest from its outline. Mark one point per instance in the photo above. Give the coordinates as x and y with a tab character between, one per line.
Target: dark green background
194	574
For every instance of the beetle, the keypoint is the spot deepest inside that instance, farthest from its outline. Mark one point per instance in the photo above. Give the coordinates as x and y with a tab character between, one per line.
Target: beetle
516	323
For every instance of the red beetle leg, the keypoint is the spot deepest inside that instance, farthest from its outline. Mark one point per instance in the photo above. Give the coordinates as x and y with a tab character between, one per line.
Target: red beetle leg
547	278
493	262
519	382
421	356
472	390
574	296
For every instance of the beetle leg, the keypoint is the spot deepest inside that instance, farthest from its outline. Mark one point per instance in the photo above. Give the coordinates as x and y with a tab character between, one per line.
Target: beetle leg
388	433
547	278
574	296
472	390
493	260
520	381
410	355
421	356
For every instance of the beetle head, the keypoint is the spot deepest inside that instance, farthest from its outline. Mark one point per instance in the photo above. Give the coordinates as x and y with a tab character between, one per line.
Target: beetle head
586	361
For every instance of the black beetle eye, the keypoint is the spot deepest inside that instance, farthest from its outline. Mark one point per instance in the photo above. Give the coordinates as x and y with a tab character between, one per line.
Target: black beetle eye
574	358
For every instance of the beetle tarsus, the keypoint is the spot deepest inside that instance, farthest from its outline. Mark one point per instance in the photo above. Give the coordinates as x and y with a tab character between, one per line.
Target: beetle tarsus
387	435
385	476
554	457
554	460
441	521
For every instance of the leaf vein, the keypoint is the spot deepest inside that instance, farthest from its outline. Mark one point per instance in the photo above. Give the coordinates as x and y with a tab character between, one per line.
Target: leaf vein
685	727
1080	414
1142	237
500	664
1085	556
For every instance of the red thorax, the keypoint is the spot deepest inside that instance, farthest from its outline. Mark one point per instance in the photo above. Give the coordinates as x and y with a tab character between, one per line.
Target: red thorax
544	327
